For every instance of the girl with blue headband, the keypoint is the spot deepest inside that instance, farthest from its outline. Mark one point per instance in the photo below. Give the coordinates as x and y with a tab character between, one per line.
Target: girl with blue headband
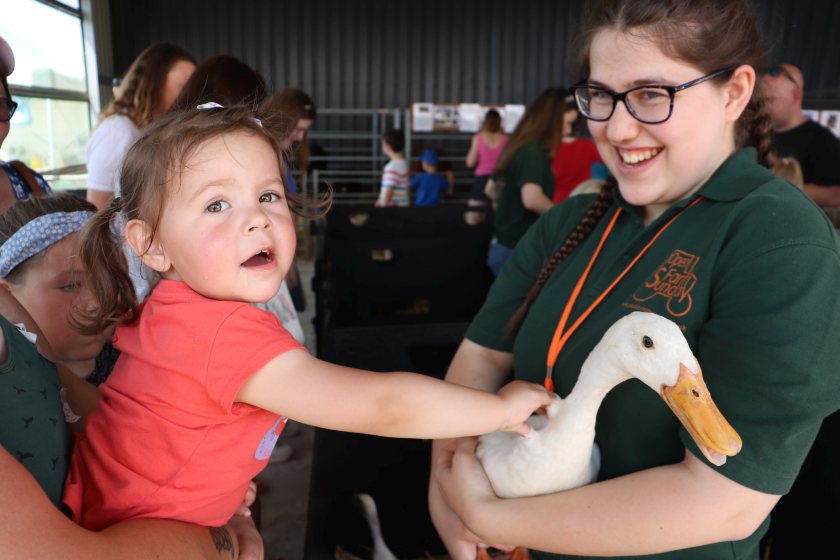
34	439
39	266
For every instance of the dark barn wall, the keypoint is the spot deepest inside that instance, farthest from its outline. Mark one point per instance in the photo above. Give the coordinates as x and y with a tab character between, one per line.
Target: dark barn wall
805	33
388	53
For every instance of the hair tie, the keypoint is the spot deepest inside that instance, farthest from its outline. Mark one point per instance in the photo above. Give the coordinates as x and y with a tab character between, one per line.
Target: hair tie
210	105
37	235
214	105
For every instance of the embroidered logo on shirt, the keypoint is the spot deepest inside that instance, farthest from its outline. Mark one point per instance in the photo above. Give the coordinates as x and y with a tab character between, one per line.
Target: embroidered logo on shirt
270	438
673	280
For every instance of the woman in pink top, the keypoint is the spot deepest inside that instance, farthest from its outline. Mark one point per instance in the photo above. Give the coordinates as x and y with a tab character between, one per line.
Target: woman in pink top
485	149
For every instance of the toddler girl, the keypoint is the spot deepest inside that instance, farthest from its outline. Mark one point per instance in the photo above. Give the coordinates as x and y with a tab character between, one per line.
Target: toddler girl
206	381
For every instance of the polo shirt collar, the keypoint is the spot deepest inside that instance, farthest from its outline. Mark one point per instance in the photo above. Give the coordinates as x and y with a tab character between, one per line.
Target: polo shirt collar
737	177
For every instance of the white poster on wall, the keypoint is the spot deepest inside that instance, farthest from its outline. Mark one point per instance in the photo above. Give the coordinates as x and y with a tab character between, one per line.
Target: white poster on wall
445	117
511	116
831	120
470	116
422	119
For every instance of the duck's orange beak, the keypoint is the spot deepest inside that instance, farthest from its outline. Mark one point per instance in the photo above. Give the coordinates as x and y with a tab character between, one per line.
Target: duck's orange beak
690	401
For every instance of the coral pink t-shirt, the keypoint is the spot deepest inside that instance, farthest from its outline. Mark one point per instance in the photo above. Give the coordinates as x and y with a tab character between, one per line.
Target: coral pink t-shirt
167	439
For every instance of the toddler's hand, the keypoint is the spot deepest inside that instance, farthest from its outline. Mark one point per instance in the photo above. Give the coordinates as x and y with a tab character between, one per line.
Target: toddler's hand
521	399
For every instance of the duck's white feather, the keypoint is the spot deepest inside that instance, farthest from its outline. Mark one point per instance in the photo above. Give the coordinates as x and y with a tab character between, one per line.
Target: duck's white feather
560	452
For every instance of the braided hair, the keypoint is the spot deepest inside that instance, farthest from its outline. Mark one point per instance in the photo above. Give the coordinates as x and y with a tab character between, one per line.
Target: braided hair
580	232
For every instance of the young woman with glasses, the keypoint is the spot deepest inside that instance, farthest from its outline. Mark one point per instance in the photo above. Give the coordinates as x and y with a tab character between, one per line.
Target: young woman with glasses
17	181
695	228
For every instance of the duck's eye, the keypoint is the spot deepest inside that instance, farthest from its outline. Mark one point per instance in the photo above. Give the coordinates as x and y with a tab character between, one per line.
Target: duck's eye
647	342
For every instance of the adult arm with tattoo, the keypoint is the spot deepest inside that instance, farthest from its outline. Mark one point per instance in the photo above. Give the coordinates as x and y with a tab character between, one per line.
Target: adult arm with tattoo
31	527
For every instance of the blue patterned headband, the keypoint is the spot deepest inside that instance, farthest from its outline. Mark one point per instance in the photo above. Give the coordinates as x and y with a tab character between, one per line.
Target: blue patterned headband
38	234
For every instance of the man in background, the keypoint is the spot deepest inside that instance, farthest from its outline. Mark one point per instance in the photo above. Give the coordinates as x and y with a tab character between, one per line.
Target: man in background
794	135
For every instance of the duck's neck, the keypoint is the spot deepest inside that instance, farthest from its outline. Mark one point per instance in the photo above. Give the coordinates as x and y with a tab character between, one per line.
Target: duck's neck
376	532
598	376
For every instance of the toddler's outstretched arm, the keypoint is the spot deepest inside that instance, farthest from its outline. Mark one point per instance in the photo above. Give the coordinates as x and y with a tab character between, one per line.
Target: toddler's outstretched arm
397	404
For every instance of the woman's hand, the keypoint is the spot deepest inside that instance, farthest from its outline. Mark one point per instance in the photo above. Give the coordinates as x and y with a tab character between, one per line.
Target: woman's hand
459	487
460	542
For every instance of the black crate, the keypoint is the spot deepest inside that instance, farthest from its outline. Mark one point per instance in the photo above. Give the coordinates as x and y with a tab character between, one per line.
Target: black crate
400	266
394	471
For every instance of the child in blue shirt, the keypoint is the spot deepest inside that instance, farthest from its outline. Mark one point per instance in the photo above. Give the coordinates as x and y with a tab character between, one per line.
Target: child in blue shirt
429	184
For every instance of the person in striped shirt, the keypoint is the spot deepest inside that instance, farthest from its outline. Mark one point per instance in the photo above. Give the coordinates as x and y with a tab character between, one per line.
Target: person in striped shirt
395	182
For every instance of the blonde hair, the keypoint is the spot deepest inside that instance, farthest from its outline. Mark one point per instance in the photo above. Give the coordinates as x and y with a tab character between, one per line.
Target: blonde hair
788	168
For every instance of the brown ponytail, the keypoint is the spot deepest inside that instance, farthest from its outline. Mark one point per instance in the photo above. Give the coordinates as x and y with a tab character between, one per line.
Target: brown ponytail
106	274
581	231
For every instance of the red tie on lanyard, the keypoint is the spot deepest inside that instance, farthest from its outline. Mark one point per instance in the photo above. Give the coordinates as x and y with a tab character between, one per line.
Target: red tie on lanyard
561	335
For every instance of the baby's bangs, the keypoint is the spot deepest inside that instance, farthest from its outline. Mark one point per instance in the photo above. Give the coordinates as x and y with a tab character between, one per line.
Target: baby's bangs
182	136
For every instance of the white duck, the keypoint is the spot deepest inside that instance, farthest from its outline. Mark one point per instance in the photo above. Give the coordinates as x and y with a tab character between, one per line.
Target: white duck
560	452
368	507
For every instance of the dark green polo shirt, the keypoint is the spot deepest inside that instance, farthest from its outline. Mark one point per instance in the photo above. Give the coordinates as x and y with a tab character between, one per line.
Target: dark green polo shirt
32	427
752	274
530	164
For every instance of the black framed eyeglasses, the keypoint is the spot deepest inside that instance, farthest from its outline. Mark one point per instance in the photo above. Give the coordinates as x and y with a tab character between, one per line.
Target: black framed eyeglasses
775	71
649	104
7	109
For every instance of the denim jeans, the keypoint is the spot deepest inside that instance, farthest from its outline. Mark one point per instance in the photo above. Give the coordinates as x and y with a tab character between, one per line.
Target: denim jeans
498	256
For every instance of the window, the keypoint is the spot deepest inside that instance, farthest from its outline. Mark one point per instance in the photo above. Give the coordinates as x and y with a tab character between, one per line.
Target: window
50	130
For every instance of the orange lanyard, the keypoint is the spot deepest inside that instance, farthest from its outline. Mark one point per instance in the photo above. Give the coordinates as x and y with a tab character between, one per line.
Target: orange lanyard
561	335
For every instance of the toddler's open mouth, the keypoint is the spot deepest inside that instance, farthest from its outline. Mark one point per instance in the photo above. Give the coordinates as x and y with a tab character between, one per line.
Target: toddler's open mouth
262	258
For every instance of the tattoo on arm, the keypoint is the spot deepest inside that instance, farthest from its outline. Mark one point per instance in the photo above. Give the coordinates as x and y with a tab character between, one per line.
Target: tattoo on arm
221	539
